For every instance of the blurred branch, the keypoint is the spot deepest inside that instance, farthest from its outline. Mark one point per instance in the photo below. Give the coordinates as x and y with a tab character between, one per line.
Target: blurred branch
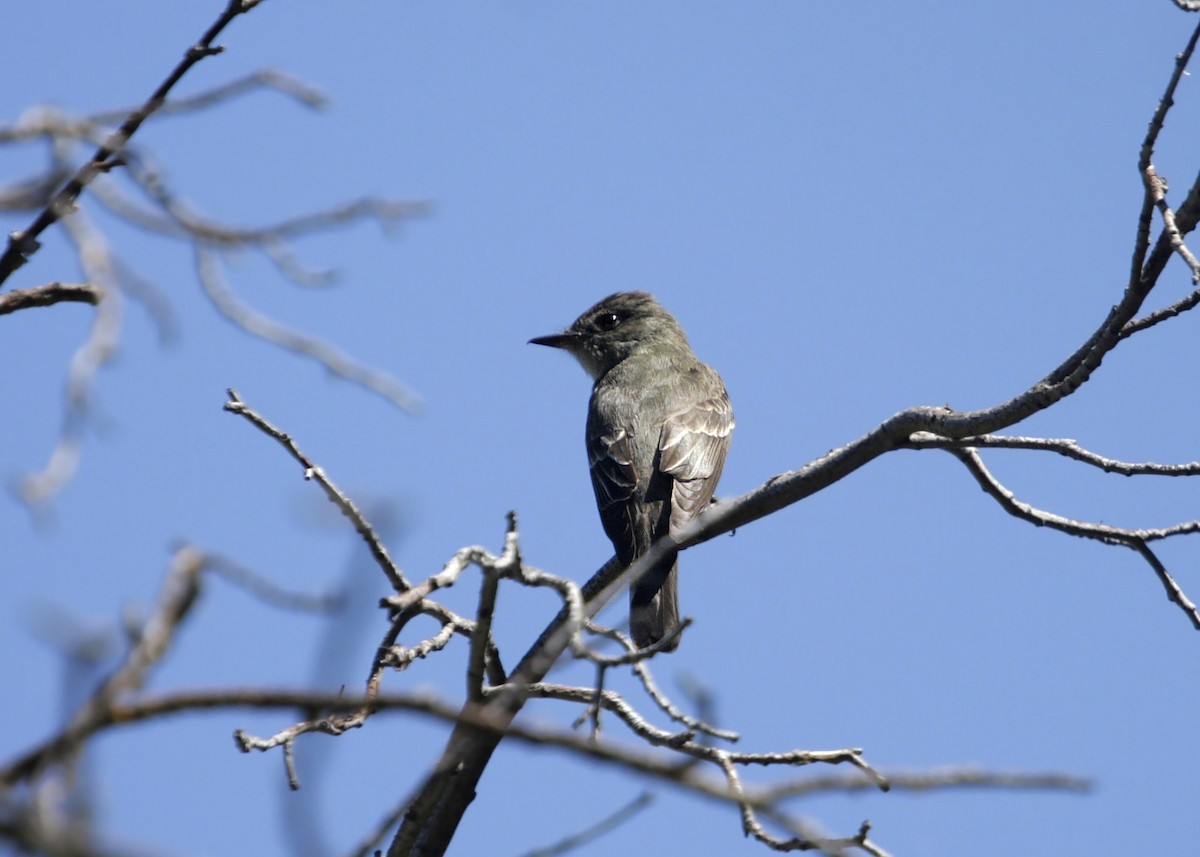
50	294
120	713
174	217
930	780
49	122
149	641
23	244
55	195
267	592
267	78
596	830
36	489
266	328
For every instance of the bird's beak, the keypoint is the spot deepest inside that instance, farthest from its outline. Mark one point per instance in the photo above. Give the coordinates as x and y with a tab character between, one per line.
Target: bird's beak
556	340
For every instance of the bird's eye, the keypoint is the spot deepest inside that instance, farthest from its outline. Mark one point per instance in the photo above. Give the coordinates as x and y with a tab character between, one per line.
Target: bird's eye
608	321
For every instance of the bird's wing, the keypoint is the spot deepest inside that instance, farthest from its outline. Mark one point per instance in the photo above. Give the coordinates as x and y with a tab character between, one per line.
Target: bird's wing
610	457
692	449
615	480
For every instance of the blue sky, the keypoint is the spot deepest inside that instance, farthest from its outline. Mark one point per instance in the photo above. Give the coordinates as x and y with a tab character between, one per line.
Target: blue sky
852	208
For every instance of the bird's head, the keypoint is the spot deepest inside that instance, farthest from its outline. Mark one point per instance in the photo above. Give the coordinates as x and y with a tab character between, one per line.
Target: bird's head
617	327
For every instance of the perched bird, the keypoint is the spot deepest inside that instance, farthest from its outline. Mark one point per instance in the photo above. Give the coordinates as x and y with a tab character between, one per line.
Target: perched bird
658	427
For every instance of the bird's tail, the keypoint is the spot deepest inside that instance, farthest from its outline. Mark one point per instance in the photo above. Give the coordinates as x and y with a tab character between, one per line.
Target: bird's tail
654	605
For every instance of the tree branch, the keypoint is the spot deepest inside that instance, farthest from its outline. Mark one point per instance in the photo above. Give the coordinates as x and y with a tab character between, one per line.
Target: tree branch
434	815
50	294
23	244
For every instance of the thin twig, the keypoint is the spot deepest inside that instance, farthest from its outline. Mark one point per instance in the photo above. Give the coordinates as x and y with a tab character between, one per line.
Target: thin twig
50	294
272	331
24	243
1135	539
1158	191
1065	447
338	497
269	593
595	831
96	351
1141	244
150	642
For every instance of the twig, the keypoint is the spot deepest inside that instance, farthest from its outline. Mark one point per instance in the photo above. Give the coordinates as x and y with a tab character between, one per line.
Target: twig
481	636
339	498
38	488
1174	591
1141	244
267	592
266	328
641	668
596	830
1157	187
50	121
1065	447
931	780
150	642
267	78
610	701
23	244
1135	539
50	294
803	842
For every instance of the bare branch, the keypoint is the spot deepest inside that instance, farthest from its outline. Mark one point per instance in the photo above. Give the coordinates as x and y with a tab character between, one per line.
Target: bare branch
435	813
263	327
49	121
409	601
596	830
1141	243
1135	539
1065	447
37	489
339	498
50	294
481	636
1039	517
641	668
1150	319
269	593
931	780
267	78
149	643
121	713
610	701
175	218
1158	190
23	244
1174	592
803	841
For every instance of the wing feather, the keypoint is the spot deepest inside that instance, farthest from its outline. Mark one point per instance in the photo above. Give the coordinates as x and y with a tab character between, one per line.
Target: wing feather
692	448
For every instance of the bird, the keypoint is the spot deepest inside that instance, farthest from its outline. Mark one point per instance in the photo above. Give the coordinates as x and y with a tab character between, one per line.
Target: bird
659	424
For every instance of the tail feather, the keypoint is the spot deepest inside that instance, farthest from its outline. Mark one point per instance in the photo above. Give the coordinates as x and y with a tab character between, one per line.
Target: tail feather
654	606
